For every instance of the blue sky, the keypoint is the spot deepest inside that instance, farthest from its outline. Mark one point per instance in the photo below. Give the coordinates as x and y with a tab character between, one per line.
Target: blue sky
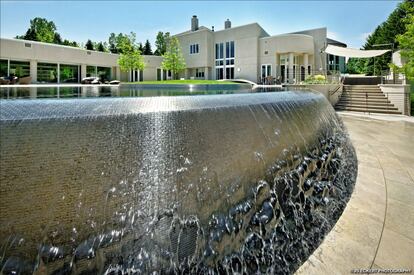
347	21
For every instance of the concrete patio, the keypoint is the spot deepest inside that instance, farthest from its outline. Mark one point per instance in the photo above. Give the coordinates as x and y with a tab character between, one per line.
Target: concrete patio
376	230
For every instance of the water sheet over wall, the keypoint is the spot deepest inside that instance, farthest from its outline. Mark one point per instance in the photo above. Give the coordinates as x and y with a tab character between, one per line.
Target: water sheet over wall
218	183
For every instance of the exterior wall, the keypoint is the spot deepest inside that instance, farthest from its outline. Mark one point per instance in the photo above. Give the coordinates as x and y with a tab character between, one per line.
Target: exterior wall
250	42
332	92
44	52
272	47
35	52
246	44
205	57
319	36
399	95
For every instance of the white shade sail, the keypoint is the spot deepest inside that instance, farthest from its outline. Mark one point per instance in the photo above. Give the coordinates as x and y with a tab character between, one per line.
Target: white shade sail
349	52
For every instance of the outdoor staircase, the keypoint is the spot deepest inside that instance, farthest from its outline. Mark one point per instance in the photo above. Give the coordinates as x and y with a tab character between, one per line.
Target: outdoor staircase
365	98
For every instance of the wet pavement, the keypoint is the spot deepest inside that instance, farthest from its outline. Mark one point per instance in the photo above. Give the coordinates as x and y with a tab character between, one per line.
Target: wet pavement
376	230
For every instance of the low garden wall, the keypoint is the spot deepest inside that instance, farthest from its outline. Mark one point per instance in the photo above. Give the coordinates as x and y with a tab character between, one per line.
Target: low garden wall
399	95
325	89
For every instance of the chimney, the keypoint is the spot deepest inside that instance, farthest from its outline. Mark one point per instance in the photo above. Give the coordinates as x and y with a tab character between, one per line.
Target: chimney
194	23
227	24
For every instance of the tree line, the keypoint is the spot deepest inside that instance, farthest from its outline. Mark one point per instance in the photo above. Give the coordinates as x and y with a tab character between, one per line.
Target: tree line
130	52
388	35
42	30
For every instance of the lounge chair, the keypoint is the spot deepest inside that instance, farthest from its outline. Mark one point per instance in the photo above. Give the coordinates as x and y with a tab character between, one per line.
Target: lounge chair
91	80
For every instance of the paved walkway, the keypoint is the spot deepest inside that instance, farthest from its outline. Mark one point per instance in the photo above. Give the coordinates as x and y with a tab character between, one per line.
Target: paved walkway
376	229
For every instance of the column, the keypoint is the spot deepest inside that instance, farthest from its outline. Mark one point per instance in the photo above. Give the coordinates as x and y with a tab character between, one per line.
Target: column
118	74
33	70
206	73
290	66
306	62
83	71
277	69
58	73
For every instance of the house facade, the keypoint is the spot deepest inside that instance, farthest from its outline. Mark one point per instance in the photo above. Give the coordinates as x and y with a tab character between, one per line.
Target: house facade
50	63
249	52
241	52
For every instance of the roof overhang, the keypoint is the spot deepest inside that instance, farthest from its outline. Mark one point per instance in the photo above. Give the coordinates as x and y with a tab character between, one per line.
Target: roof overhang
349	52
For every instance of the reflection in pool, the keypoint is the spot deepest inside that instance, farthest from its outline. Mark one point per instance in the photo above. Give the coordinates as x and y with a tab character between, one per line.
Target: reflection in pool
116	91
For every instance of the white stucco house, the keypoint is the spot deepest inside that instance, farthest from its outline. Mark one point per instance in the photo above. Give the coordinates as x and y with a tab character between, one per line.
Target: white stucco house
240	52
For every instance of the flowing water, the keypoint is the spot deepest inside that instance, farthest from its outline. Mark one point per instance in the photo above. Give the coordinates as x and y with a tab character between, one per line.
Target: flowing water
235	183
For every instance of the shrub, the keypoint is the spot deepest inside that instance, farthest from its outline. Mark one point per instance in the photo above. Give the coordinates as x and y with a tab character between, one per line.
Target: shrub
315	79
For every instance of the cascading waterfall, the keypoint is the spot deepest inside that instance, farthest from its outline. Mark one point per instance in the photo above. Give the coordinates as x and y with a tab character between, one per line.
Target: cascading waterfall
213	184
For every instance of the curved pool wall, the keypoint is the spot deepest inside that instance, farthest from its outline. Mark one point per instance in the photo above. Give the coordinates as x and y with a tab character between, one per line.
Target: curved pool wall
218	183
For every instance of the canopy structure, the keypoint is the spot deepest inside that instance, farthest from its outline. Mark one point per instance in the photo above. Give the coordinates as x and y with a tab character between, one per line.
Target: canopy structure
349	52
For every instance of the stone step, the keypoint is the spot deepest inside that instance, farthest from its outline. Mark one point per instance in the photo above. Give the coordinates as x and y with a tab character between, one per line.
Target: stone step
368	106
363	103
364	98
365	110
362	93
361	86
378	100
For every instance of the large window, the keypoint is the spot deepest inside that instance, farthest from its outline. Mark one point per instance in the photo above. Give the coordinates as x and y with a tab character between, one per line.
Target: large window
194	48
69	73
199	73
19	68
47	72
4	64
334	62
225	60
91	71
104	73
266	70
219	73
219	60
230	60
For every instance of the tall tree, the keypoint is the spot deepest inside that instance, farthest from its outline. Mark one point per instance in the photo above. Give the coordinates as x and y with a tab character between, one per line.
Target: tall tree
173	58
386	33
40	30
120	42
406	42
89	45
43	30
69	43
57	39
161	42
140	47
112	43
147	48
100	47
130	57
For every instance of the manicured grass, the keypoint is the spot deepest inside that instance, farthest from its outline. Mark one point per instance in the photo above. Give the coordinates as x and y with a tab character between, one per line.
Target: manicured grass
194	82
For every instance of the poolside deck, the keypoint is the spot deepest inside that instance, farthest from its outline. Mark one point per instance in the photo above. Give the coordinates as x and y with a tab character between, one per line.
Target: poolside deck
376	230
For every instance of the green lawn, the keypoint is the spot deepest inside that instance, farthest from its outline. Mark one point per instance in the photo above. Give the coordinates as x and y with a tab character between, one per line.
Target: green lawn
183	82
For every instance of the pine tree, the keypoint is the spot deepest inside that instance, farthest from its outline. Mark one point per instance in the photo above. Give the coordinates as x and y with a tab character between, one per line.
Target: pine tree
147	48
89	45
